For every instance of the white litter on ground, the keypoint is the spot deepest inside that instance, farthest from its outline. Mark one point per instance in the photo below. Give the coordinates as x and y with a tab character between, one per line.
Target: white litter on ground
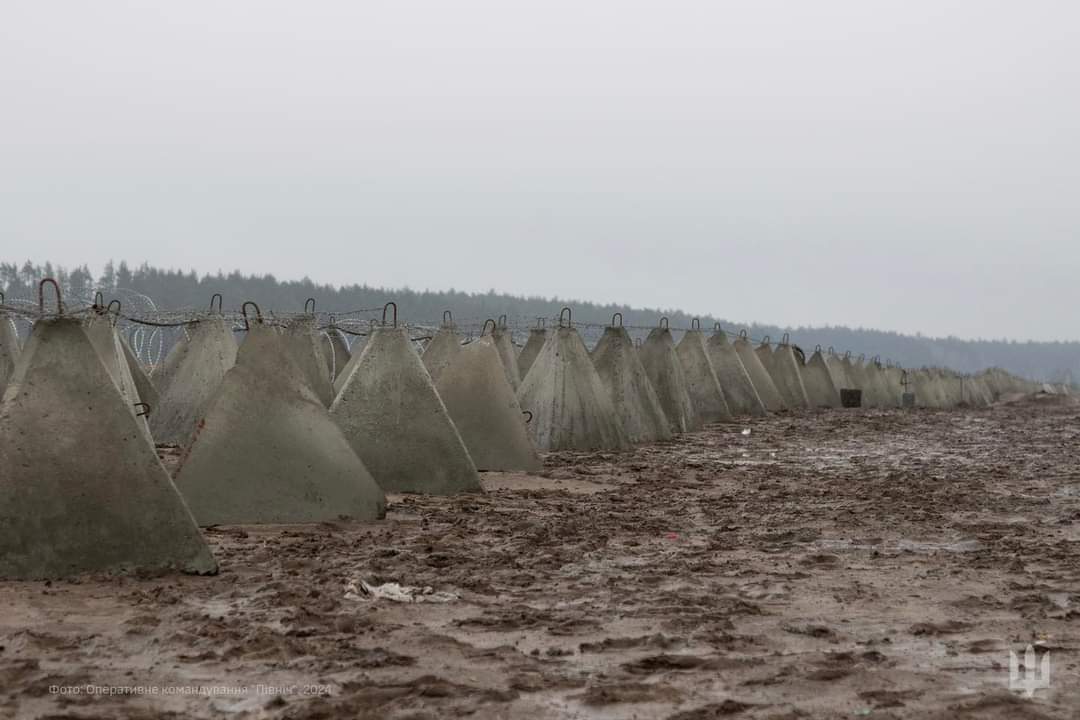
360	591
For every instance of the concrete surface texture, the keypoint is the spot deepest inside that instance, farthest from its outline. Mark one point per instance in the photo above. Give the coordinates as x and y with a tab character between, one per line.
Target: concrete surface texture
485	409
837	371
742	398
537	337
9	349
304	342
759	374
571	408
784	368
107	343
267	450
505	345
702	385
396	422
627	384
193	370
820	389
81	489
661	363
441	350
143	384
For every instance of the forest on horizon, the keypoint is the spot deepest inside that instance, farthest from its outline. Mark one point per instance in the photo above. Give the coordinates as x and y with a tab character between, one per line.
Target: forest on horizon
175	289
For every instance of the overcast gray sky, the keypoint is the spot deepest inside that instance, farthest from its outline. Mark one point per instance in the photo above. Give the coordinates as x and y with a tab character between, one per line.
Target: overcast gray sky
910	165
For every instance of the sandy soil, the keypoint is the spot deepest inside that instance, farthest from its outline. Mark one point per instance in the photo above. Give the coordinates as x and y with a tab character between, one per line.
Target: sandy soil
832	565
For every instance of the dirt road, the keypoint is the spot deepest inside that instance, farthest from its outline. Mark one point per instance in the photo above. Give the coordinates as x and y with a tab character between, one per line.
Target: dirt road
838	564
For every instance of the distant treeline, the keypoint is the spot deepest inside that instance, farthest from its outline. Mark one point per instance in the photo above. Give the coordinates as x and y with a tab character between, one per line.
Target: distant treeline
173	289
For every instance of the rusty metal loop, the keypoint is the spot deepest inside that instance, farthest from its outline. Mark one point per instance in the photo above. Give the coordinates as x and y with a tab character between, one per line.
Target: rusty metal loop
447	318
2	297
145	411
744	335
243	311
502	322
116	313
695	324
831	351
663	324
766	340
99	302
541	322
310	302
616	315
817	348
484	330
569	317
529	413
786	340
716	327
41	296
384	312
219	299
847	355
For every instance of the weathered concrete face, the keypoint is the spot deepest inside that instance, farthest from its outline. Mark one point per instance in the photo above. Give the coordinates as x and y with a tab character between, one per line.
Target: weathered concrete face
147	392
742	398
571	410
441	351
9	350
395	421
704	389
268	452
485	410
81	490
304	343
838	372
195	369
110	350
820	389
335	350
537	338
627	384
784	368
505	346
661	363
759	375
359	342
881	393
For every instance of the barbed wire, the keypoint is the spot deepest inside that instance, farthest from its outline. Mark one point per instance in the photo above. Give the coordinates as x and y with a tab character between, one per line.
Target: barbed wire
147	327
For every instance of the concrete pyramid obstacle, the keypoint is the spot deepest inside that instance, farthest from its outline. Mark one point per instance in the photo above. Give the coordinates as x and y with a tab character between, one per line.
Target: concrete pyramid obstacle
359	342
820	389
393	417
837	371
335	349
742	398
785	369
304	342
627	384
883	395
81	490
537	337
102	333
704	389
661	363
570	408
148	394
505	345
267	450
9	347
443	348
194	369
759	374
485	409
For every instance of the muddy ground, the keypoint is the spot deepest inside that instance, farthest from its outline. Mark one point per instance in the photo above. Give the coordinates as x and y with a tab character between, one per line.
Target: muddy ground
839	564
